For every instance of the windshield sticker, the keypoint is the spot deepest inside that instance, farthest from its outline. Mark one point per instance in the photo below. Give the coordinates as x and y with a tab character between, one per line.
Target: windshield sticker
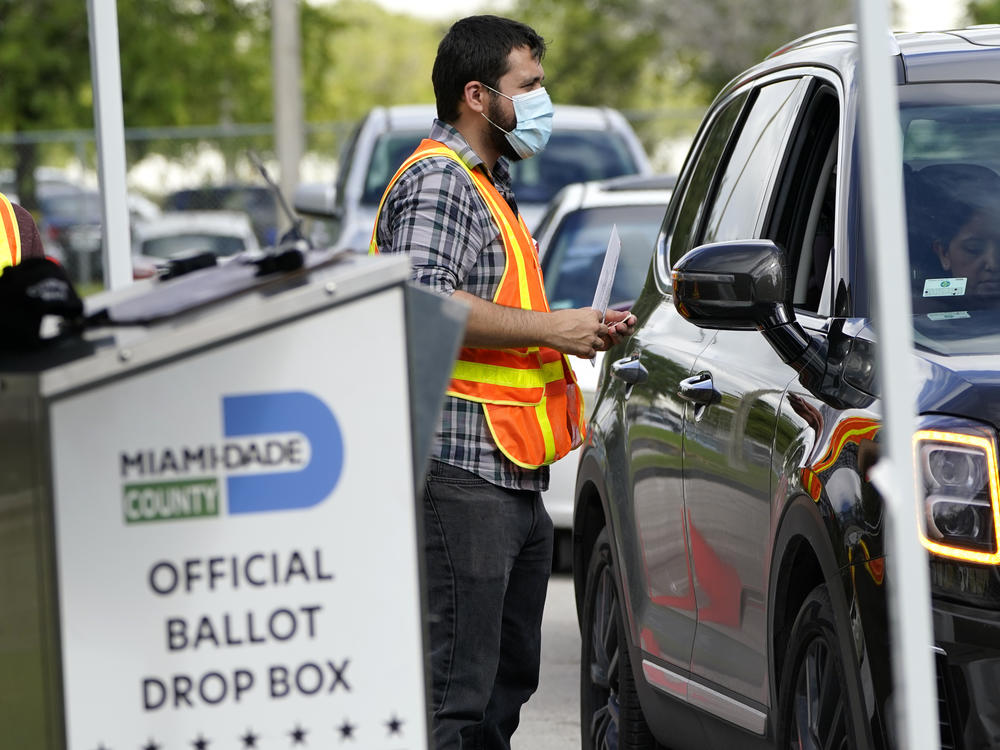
948	315
944	287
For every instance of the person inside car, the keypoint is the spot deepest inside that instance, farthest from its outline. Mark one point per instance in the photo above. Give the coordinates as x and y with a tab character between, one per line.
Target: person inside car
954	212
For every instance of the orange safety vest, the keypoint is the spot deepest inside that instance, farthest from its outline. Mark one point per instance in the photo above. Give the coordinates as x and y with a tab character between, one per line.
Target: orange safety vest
533	405
10	235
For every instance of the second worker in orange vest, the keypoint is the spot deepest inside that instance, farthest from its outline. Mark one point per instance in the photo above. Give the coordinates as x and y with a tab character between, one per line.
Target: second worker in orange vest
19	237
513	405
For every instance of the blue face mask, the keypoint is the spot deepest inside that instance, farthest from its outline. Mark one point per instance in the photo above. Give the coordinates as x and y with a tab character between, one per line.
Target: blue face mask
534	121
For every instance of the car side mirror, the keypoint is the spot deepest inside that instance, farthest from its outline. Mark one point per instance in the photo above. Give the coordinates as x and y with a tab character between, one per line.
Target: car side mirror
742	285
316	199
737	285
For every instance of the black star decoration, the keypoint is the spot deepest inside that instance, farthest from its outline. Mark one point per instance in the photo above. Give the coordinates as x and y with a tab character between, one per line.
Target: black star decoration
298	735
151	745
200	744
395	725
346	730
249	739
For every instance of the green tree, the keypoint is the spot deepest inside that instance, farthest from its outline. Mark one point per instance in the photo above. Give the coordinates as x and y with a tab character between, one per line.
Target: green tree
601	50
983	11
195	63
183	62
595	51
44	60
360	56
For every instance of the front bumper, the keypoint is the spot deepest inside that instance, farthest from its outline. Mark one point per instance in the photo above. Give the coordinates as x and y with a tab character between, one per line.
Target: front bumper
968	662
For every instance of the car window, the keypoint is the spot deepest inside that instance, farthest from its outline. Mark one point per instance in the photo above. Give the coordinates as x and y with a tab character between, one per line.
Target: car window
570	156
951	176
572	263
742	186
680	224
550	212
72	205
804	217
345	161
391	150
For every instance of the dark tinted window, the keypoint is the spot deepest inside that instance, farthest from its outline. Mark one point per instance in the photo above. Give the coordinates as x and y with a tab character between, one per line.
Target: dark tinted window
695	190
951	174
742	187
345	159
804	216
575	255
570	156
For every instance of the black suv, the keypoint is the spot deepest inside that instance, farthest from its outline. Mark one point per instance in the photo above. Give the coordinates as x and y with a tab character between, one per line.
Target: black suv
729	549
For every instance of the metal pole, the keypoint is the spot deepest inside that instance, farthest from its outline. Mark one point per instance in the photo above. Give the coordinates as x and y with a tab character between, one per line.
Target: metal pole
914	684
288	108
105	69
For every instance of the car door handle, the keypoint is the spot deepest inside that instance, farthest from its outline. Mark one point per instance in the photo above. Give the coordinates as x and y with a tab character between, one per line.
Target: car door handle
699	389
630	370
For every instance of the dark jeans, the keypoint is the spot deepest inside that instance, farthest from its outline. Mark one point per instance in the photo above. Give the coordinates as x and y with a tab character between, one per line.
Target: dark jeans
489	554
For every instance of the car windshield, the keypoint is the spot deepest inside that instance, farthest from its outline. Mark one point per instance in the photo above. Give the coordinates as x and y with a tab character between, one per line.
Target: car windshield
570	156
951	175
169	247
573	259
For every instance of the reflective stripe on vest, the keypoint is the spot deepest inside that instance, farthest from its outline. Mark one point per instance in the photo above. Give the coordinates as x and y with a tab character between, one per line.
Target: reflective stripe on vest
532	403
10	235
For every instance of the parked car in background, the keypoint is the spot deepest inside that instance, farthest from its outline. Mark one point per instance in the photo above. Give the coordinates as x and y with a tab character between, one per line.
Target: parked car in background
180	233
730	549
256	201
71	227
572	239
71	231
587	143
48	181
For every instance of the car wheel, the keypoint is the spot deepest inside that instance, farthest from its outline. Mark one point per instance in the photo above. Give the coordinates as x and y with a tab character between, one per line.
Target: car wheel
814	712
610	716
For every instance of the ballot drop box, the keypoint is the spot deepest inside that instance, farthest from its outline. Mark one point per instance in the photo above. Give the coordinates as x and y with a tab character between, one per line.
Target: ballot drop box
208	527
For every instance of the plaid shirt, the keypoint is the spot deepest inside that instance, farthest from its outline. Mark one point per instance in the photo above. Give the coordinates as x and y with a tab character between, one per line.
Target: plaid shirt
436	215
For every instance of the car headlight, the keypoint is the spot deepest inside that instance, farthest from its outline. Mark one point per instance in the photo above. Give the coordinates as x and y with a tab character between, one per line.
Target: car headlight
958	488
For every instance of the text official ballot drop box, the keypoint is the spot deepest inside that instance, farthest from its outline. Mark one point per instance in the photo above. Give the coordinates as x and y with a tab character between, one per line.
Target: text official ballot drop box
207	522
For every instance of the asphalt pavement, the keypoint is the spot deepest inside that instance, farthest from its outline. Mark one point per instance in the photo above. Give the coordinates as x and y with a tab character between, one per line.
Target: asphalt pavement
551	719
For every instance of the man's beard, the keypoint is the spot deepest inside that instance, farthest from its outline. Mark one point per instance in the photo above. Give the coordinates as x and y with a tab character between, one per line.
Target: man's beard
497	137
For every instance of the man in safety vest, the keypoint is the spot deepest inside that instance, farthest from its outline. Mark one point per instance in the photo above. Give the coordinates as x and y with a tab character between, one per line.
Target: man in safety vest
19	237
513	405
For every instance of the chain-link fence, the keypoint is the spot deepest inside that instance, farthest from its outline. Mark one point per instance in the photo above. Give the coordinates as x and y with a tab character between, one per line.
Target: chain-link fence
205	168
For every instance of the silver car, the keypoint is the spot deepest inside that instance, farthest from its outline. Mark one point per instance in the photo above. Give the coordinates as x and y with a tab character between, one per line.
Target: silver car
155	242
572	238
587	143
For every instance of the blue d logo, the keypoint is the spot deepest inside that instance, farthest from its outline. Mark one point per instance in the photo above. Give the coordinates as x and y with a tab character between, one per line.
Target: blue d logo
295	411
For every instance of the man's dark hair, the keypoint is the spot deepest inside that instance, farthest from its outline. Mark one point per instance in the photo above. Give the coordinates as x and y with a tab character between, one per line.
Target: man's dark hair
476	49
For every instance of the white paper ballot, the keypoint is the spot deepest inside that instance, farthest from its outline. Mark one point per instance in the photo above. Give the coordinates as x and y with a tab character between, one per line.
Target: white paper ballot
602	295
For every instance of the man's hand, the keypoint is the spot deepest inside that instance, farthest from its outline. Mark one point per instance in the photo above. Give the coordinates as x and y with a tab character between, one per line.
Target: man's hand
579	331
621	325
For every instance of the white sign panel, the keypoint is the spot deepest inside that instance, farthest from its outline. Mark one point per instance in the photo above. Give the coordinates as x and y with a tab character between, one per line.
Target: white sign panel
237	548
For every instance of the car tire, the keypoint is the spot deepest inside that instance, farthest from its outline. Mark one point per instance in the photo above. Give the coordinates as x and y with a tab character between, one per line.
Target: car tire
610	715
813	705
